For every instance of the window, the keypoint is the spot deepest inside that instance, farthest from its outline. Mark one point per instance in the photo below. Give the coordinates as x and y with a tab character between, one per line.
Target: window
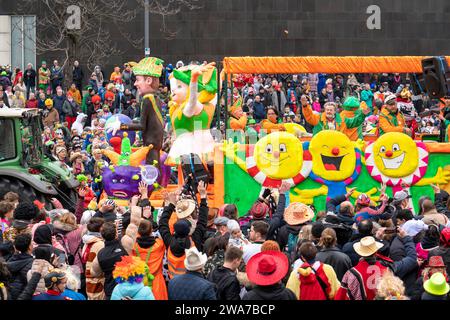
8	140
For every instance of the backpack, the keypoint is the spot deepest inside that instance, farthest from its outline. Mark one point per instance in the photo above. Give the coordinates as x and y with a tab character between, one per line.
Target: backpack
70	257
292	246
148	279
312	283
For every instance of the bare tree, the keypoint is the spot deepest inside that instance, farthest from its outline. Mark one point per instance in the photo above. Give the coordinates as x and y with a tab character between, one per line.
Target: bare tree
91	42
167	8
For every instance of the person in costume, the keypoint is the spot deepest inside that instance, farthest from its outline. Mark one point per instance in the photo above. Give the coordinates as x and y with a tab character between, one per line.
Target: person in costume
191	111
147	71
353	116
328	120
44	77
55	282
391	120
130	273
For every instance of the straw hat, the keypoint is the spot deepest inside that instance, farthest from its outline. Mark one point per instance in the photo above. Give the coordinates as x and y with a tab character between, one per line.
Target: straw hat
267	268
298	213
437	285
367	246
185	208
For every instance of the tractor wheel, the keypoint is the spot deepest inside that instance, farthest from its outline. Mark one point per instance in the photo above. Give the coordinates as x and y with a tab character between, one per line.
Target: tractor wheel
24	190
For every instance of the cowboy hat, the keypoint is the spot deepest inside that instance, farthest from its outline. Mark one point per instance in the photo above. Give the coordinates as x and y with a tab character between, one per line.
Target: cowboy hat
185	208
267	268
298	213
367	246
437	285
195	260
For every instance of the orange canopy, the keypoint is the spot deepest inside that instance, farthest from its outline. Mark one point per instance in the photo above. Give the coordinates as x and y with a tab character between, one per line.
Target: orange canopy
274	65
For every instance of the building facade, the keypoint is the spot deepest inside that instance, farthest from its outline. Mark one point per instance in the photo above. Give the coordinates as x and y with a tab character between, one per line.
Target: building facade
281	28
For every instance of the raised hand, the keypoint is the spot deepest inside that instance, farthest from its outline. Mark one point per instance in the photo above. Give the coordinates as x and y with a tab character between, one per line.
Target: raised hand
202	190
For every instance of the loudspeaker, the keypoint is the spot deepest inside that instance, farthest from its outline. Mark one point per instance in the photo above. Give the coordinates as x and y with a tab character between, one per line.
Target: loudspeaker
437	76
418	84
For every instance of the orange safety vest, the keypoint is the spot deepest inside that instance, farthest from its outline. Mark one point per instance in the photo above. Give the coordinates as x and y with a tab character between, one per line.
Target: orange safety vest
176	264
155	266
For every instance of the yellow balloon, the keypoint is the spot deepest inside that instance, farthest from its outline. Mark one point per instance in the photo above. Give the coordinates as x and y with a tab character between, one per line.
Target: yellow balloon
396	155
279	155
333	155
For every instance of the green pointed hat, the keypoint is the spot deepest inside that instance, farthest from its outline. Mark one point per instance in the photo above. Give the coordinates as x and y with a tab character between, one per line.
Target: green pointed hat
351	103
150	66
207	81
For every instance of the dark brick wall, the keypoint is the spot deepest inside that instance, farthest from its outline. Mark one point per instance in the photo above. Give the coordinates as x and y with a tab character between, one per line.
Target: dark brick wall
315	27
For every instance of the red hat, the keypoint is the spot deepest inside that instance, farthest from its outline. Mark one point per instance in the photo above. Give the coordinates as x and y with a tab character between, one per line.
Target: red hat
259	210
96	99
436	262
363	199
445	237
109	95
39	204
267	268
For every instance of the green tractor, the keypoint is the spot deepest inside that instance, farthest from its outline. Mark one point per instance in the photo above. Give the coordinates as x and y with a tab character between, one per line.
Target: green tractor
24	168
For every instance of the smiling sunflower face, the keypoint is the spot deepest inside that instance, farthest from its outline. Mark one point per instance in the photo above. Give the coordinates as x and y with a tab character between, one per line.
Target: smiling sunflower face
333	155
396	155
279	155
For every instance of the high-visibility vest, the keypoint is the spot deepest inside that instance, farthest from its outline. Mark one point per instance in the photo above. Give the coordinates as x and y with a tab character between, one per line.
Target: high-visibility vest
176	264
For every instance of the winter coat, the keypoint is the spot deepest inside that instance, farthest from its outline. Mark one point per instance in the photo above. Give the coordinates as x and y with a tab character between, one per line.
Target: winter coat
283	234
135	291
30	288
18	266
94	285
434	217
70	109
259	111
77	74
267	293
32	104
214	261
47	266
104	264
73	235
58	102
227	284
279	105
191	286
403	253
29	78
340	262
